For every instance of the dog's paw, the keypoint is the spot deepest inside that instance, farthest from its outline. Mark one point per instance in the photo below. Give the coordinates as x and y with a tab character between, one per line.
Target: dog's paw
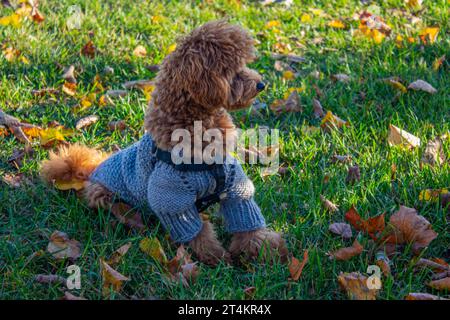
259	244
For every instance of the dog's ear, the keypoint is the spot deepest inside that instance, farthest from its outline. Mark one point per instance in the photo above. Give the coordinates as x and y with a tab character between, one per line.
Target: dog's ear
209	58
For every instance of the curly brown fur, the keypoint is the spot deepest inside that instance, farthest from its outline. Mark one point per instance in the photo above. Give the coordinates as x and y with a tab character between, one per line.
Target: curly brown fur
207	247
258	243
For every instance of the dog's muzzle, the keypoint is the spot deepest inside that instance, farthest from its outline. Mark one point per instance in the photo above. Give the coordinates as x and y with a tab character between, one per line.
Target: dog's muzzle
260	86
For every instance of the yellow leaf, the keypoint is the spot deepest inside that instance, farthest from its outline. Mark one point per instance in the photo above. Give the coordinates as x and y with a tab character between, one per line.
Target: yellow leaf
438	63
429	34
288	75
338	24
153	248
13	20
331	121
290	90
24	60
67	185
157	19
55	134
69	88
171	48
414	4
432	194
111	278
10	54
140	51
397	85
305	18
317	12
273	23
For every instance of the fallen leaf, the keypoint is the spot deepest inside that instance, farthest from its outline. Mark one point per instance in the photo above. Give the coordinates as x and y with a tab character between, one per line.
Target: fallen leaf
111	278
338	24
341	159
423	86
69	296
273	23
118	254
69	74
140	51
249	292
355	285
291	104
407	227
62	247
89	50
137	84
397	85
383	262
353	175
331	121
53	135
8	120
373	226
438	63
441	284
401	137
344	254
296	267
429	35
422	296
414	4
68	185
49	279
342	229
341	77
153	248
305	18
69	88
434	153
119	125
328	205
126	215
288	75
317	108
13	180
86	121
116	93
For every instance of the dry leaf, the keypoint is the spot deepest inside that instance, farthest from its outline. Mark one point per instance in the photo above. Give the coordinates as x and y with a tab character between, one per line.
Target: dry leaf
249	292
408	227
438	63
434	153
373	226
153	248
331	121
342	229
422	296
344	254
317	108
62	247
13	180
291	104
441	284
89	50
119	125
68	185
69	296
69	88
401	137
341	77
69	74
397	85
7	120
50	279
53	135
138	84
111	278
355	285
118	254
140	51
429	34
296	267
423	86
86	121
328	205
341	159
181	268
353	175
338	24
383	262
124	213
116	93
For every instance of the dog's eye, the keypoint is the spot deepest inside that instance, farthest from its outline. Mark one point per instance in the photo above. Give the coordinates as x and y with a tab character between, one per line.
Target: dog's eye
260	86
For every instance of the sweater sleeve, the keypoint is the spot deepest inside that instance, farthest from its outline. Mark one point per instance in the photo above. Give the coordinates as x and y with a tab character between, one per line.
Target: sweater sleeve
171	197
239	209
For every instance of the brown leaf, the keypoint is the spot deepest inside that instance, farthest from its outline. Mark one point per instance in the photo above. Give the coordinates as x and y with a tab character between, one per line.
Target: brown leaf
13	180
398	136
342	159
7	120
341	77
69	296
342	229
434	153
118	254
20	135
441	284
344	254
89	50
181	268
140	51
291	104
50	279
383	262
62	247
353	175
69	75
19	154
296	267
355	285
372	226
124	213
328	205
317	108
119	125
111	278
422	296
86	121
437	266
420	85
408	227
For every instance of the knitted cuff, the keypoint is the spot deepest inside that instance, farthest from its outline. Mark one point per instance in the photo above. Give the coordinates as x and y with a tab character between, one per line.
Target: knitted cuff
242	215
182	227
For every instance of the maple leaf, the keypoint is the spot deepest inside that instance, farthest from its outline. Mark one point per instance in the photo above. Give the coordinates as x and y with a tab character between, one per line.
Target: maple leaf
296	267
407	227
347	253
373	226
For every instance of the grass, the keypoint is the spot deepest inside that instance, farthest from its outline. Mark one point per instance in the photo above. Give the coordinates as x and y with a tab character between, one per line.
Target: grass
29	214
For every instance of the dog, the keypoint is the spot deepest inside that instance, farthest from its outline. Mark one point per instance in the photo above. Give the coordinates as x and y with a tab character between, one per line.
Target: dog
201	80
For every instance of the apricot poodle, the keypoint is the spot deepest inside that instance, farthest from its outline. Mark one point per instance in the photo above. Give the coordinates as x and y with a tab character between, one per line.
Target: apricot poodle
204	78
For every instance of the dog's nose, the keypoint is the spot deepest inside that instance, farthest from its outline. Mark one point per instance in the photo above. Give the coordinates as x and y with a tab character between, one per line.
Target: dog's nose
260	86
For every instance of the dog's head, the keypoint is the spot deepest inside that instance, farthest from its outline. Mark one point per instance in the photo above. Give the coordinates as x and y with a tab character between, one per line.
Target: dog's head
209	65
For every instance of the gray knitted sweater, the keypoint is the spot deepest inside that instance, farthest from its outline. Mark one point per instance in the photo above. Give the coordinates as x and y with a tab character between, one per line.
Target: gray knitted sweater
137	177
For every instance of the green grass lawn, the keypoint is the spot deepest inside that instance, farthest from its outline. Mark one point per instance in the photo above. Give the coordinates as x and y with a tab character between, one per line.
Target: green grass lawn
291	203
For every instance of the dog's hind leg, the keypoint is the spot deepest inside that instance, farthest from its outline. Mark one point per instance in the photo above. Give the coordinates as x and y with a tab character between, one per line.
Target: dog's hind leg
97	196
207	247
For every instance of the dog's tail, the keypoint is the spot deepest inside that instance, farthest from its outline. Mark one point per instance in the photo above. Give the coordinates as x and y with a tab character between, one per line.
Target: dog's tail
73	162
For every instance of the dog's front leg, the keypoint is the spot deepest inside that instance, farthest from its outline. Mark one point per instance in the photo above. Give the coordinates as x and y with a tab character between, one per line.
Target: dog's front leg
207	247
